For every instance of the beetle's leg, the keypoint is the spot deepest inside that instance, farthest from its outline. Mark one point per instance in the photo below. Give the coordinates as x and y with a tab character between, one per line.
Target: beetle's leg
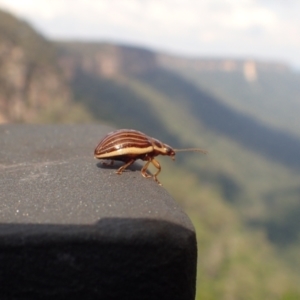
144	170
121	169
105	163
157	165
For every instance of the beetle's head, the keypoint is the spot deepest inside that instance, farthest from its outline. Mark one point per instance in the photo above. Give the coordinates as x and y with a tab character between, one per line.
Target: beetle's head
169	151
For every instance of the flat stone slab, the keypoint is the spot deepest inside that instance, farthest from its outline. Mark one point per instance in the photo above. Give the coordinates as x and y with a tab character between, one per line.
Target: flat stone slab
70	227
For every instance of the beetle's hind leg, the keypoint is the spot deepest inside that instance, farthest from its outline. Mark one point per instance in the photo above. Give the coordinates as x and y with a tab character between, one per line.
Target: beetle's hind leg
126	165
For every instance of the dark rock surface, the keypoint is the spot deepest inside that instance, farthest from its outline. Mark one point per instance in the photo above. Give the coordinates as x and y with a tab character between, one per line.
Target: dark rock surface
71	228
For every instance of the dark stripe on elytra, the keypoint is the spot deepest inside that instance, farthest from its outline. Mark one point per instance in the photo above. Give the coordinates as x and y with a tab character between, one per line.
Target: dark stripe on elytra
124	137
117	136
122	142
121	139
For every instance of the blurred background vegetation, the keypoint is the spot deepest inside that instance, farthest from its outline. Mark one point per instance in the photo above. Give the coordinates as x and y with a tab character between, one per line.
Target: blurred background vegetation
243	197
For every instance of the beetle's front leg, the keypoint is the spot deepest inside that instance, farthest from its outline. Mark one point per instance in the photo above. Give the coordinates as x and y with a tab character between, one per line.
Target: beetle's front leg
157	165
144	170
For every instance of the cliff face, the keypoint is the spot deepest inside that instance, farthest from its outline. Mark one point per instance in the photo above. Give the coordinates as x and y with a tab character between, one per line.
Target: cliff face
111	61
104	60
31	81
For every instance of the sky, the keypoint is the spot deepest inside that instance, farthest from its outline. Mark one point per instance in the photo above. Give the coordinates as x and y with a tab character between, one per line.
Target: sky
258	29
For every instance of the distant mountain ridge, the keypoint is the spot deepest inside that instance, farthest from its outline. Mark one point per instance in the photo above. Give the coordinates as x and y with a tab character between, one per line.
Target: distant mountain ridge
112	59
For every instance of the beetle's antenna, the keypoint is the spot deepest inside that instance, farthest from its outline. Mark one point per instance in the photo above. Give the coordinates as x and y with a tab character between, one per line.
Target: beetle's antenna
191	150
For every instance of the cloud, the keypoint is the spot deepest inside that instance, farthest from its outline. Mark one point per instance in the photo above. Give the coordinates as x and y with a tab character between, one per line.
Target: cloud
262	28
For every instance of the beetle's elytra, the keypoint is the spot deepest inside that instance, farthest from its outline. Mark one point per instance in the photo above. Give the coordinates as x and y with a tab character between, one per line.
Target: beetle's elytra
128	145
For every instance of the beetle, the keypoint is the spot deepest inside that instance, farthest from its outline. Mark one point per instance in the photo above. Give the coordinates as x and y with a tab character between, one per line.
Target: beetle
128	145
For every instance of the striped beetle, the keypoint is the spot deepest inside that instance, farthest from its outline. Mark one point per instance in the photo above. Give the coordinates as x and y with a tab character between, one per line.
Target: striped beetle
128	145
